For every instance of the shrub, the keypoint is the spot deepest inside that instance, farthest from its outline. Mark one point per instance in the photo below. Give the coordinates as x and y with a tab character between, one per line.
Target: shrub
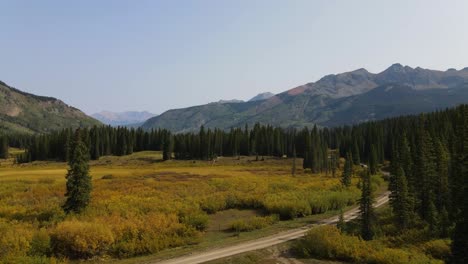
14	239
287	205
150	234
253	223
213	204
76	239
328	243
439	249
40	243
199	221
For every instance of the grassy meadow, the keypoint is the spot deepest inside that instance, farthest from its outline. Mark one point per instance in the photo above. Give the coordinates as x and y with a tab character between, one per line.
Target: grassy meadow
141	205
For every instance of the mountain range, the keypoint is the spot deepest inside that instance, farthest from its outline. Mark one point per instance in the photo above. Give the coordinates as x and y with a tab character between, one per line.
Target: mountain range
336	99
129	118
22	112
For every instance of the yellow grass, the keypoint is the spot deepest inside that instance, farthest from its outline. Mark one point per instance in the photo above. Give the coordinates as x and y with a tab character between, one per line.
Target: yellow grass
146	205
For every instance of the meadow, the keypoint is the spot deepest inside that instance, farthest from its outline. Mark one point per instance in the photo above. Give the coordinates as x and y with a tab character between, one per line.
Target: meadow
141	205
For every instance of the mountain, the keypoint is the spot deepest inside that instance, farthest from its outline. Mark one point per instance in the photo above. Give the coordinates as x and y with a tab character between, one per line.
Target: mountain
262	96
27	113
130	118
335	99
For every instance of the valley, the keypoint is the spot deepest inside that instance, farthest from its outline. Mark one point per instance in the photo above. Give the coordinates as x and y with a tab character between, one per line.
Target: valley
178	202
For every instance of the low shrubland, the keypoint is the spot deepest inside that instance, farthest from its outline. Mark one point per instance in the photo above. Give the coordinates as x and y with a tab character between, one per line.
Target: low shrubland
140	206
413	245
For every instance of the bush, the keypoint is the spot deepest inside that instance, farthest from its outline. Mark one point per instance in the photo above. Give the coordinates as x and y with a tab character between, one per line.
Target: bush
287	206
328	243
76	239
150	234
199	221
253	223
213	204
14	239
439	249
40	243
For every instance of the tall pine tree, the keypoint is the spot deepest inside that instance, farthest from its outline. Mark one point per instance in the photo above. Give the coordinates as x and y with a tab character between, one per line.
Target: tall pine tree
3	147
78	179
365	208
348	170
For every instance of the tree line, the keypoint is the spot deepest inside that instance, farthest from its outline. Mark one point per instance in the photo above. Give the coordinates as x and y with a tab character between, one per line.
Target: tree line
428	154
261	140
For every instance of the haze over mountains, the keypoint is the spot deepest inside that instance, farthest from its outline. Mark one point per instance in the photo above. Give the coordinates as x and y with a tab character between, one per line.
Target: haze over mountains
335	99
129	118
22	112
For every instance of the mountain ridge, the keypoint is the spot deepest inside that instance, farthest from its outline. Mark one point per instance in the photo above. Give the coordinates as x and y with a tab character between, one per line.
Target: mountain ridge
22	112
311	104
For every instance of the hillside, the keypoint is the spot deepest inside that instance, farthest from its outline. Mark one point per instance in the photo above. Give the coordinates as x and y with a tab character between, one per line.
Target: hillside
129	118
336	99
27	113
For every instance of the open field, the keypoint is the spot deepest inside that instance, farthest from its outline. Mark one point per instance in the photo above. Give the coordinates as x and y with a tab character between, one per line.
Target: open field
143	206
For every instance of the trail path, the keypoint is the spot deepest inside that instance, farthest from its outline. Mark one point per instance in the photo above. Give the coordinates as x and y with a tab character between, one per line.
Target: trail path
200	257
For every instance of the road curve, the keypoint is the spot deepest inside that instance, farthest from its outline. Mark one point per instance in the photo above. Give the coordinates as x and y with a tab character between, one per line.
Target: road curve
268	241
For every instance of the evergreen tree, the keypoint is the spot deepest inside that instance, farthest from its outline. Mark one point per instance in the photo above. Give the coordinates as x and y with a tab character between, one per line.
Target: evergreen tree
78	185
399	198
307	162
293	170
347	171
365	208
341	224
373	160
442	172
460	235
3	147
168	146
356	158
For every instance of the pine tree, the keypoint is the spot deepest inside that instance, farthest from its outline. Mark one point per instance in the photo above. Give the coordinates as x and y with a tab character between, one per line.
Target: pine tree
373	160
341	224
78	185
460	235
168	146
442	169
356	158
347	170
307	162
293	170
399	198
3	147
365	208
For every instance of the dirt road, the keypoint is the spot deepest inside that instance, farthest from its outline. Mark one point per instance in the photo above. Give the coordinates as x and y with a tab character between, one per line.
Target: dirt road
200	257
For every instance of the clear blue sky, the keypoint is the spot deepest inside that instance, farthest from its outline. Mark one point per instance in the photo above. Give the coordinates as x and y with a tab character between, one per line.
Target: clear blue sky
158	55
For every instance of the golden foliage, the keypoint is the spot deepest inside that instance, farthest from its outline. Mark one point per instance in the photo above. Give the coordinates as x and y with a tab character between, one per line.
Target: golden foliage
329	243
149	206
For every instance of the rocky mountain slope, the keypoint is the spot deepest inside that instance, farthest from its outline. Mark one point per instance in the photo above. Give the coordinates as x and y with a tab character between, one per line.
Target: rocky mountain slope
27	113
335	99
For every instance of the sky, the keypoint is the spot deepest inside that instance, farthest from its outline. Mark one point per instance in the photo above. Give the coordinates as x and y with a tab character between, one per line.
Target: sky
158	55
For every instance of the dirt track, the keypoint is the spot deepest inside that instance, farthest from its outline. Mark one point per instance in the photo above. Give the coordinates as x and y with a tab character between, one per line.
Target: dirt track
200	257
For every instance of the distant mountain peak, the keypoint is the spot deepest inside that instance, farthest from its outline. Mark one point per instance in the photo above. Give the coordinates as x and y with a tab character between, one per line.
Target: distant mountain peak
335	99
122	118
262	96
397	67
